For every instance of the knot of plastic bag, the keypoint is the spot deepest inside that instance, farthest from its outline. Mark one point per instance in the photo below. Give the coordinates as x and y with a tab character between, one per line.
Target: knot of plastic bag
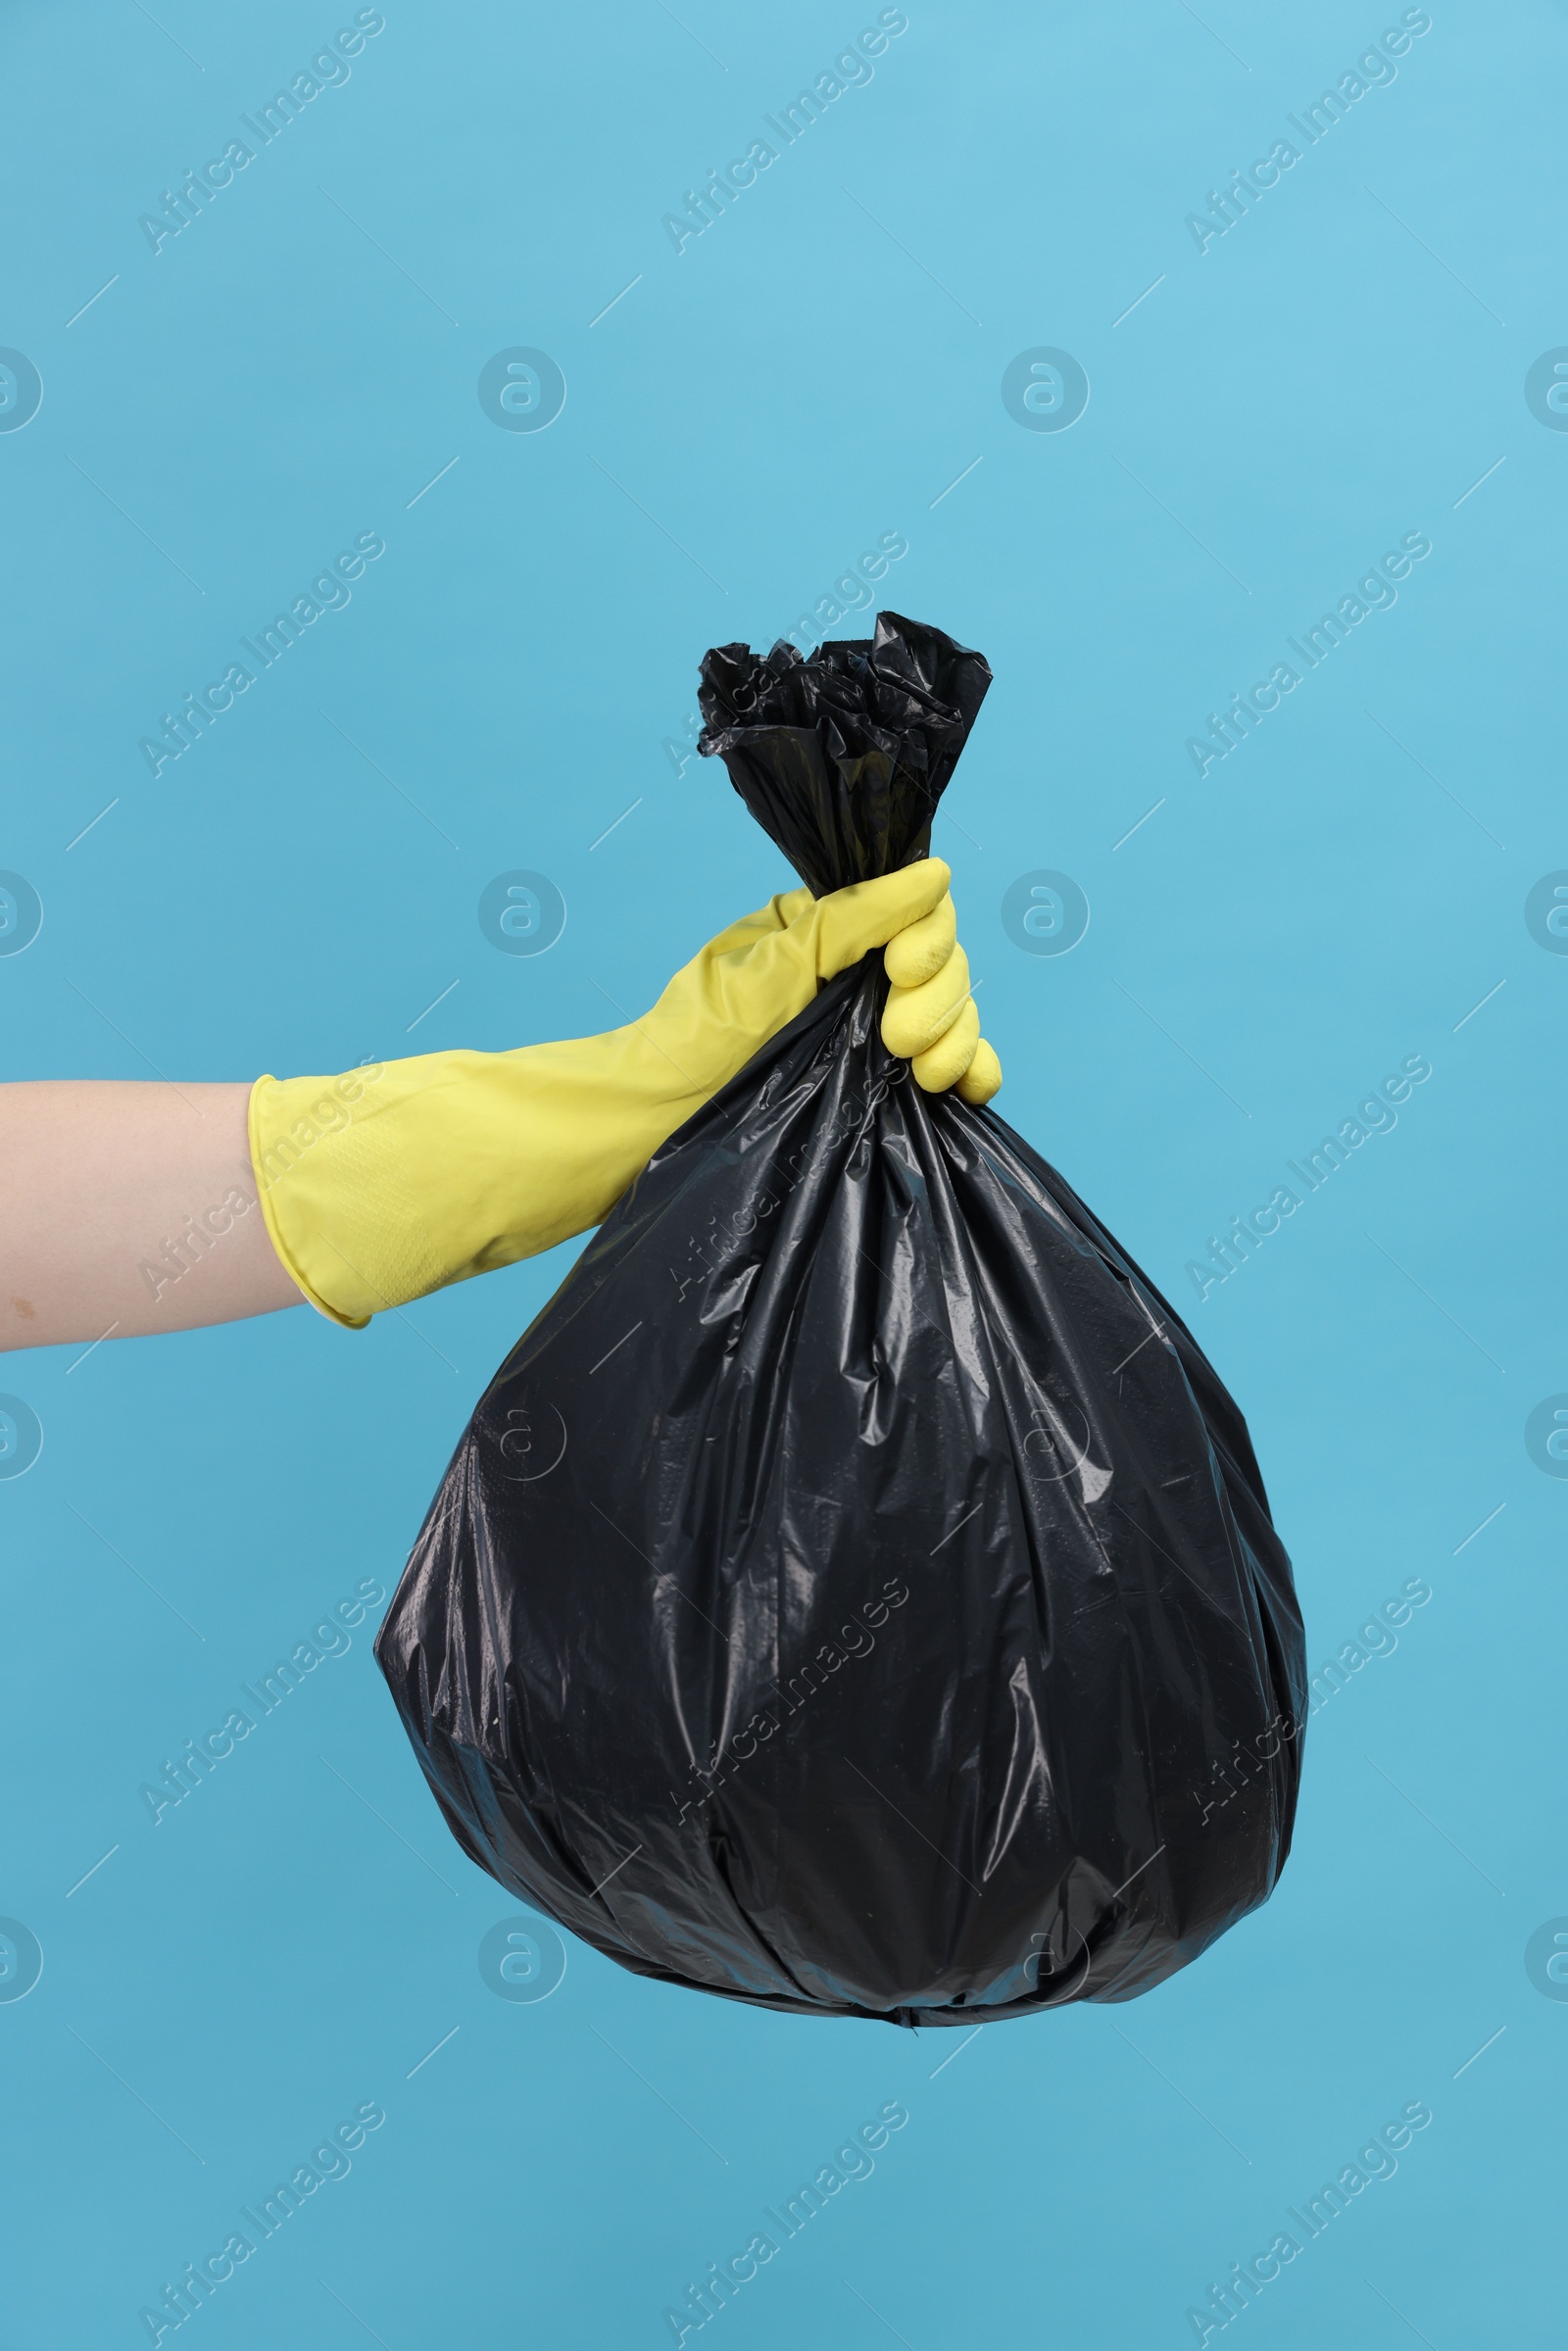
842	756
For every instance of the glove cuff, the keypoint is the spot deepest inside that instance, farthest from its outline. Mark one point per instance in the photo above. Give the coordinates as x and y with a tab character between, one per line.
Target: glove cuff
280	1129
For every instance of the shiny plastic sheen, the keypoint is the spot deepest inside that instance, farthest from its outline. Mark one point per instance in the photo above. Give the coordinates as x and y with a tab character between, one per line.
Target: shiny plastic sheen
856	1593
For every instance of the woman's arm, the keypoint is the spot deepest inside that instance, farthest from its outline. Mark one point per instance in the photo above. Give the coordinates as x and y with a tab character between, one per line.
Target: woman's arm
129	1208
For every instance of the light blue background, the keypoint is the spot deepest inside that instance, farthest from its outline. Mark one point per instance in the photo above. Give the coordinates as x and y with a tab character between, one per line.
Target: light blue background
1338	370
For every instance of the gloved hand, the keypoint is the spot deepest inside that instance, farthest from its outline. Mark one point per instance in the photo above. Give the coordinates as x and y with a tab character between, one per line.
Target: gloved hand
930	1017
393	1180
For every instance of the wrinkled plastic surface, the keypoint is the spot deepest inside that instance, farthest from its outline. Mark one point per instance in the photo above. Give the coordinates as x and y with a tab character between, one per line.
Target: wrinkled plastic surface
856	1593
843	759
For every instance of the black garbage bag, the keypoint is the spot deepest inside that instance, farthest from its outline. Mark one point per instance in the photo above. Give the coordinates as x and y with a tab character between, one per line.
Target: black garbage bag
855	1593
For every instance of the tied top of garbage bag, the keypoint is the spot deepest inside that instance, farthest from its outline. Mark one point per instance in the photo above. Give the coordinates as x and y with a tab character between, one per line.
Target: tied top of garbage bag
842	757
856	1593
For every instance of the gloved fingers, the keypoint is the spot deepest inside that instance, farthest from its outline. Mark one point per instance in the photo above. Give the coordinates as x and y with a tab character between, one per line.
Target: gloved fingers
852	922
915	954
983	1077
913	1018
946	1062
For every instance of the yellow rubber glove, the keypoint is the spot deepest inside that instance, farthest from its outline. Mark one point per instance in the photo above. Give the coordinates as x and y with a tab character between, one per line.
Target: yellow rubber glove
393	1180
930	1017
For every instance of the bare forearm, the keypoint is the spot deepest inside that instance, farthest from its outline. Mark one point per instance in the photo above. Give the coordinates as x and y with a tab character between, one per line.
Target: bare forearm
127	1210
